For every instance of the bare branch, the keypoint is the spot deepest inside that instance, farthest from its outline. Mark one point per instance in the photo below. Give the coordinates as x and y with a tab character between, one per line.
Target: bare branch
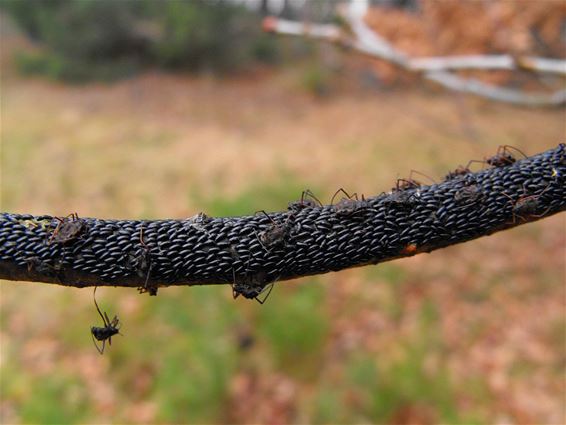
479	88
377	46
435	69
489	62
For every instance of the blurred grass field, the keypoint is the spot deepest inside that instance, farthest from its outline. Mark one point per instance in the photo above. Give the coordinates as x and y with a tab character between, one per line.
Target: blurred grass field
469	334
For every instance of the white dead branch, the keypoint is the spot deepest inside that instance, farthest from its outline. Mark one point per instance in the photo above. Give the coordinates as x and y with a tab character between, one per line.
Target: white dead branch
436	69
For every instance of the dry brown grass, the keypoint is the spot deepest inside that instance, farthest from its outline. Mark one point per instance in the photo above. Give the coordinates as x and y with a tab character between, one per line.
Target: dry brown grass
141	147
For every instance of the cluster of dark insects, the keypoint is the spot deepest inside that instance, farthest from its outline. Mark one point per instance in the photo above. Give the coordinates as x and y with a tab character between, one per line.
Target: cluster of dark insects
254	284
107	331
505	155
68	229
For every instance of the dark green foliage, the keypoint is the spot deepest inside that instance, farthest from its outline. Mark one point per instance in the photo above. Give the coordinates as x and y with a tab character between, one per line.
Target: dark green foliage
60	68
106	39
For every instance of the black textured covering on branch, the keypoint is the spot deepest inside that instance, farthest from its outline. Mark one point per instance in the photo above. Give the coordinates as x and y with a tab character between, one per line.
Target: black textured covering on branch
253	251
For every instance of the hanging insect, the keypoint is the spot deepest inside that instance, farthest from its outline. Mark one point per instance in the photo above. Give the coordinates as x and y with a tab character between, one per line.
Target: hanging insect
106	332
504	156
252	286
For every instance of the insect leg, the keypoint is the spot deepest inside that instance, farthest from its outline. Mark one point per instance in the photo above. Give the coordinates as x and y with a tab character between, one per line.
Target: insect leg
96	305
271	285
56	231
311	195
421	174
507	147
234	293
267	215
473	161
344	192
100	350
261	301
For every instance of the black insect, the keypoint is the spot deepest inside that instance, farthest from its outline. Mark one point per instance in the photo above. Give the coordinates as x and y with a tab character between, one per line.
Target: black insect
504	156
308	200
252	286
349	205
143	263
106	332
275	234
68	229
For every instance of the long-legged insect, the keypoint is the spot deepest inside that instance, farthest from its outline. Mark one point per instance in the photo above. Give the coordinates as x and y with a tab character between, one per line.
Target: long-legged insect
411	183
352	197
349	205
503	156
462	170
308	200
106	332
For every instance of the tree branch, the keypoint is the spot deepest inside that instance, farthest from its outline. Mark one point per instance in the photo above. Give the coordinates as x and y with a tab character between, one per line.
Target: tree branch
306	239
435	69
